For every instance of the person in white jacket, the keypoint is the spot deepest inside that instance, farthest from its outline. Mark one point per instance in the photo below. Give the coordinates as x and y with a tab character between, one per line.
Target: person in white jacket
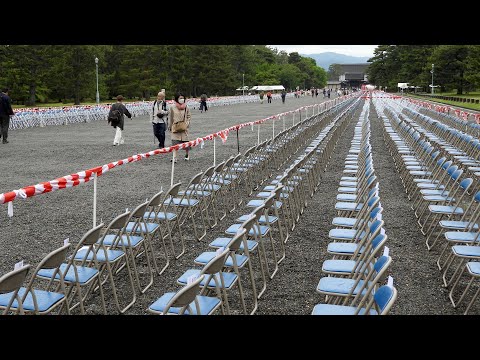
160	118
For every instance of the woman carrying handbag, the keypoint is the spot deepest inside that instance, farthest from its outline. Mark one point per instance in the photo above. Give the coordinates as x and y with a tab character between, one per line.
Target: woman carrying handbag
179	123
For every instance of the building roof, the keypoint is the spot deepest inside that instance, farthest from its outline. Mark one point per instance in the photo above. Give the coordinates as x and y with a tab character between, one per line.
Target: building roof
333	82
267	87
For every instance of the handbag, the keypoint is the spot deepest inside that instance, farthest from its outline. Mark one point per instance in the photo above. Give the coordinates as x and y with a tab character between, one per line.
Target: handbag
180	126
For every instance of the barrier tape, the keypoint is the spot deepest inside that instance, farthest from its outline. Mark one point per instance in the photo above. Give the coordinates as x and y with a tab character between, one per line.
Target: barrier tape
86	175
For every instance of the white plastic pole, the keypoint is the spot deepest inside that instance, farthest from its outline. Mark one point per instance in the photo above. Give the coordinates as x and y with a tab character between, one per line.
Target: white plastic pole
214	153
94	199
258	134
283	118
173	168
293	118
273	127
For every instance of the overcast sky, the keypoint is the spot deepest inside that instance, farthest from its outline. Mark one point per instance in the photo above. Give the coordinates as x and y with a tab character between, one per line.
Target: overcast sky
353	50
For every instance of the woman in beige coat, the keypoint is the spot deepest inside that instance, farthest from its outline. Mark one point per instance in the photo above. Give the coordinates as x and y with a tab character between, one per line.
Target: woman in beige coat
179	112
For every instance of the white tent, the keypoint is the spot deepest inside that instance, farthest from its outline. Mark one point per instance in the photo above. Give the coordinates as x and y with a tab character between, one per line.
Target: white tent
241	88
267	87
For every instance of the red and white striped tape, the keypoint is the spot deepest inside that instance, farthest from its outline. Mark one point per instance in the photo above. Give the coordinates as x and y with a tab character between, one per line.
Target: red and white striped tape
86	175
446	109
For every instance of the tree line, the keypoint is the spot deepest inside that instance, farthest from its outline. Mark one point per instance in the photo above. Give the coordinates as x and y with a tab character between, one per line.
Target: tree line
456	67
65	73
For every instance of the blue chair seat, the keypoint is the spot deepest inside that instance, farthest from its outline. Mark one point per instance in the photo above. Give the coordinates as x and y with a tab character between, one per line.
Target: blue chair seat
206	256
349	178
344	234
438	198
257	202
474	168
434	192
222	242
415	167
348	171
444	209
345	222
198	192
232	230
206	304
456	225
111	239
85	274
348	206
421	180
229	278
339	266
263	220
348	190
353	167
466	251
230	176
148	228
428	185
473	268
342	248
339	286
161	216
346	197
182	202
420	173
223	181
460	236
212	187
273	187
113	255
349	183
266	194
45	300
329	309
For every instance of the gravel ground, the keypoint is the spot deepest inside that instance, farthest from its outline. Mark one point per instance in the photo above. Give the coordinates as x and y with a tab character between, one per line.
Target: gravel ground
414	269
41	223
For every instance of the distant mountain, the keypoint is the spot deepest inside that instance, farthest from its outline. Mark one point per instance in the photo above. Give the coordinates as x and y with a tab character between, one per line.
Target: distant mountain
325	59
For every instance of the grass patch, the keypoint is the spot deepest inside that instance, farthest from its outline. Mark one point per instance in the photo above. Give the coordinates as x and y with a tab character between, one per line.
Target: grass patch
471	95
449	102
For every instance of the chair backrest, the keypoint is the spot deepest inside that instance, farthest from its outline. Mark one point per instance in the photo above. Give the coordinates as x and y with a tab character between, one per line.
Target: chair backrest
55	258
91	236
235	243
13	280
219	168
209	172
384	299
248	224
139	211
466	183
229	161
185	295
119	222
195	179
173	191
269	202
447	164
156	199
215	265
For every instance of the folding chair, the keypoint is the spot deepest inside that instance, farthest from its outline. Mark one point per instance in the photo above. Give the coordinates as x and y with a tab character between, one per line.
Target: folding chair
167	212
78	276
111	259
216	280
188	204
186	301
382	300
10	284
41	301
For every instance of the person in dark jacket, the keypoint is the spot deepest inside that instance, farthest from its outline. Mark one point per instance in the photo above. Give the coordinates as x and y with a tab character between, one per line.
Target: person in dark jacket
5	112
203	102
284	94
119	137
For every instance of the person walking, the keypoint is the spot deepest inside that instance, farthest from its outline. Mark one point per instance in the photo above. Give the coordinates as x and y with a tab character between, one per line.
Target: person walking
316	93
203	102
328	93
160	119
284	94
5	112
269	97
261	97
116	119
179	123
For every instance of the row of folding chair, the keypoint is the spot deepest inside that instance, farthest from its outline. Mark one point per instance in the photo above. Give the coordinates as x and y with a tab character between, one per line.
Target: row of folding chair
129	240
357	268
263	231
433	179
